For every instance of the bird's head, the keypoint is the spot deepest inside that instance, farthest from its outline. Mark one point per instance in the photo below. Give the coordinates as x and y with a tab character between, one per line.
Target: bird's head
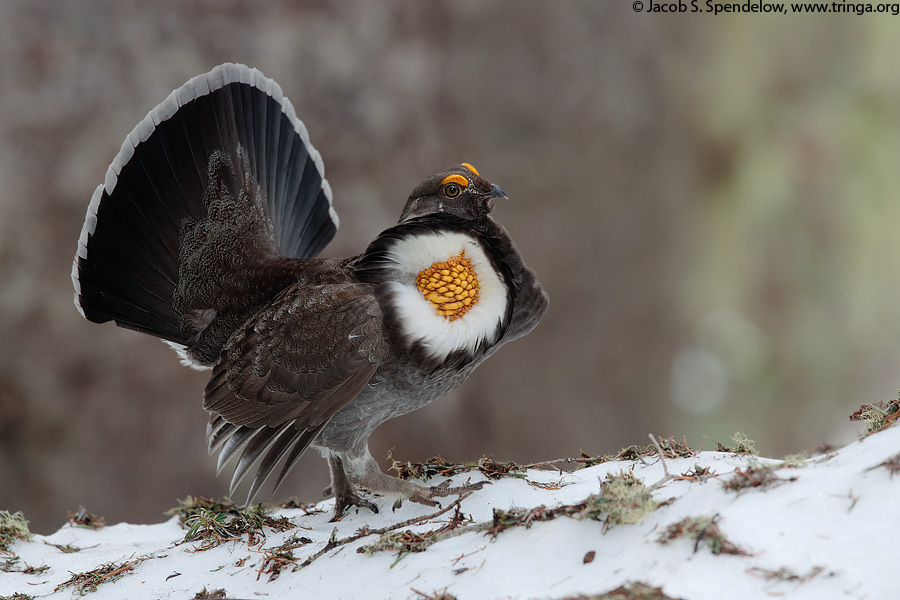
458	190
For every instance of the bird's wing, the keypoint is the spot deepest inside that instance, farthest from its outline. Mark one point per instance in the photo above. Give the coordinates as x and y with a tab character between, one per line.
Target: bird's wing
288	370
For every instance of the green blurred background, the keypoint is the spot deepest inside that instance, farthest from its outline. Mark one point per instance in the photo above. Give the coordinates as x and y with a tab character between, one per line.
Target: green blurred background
710	202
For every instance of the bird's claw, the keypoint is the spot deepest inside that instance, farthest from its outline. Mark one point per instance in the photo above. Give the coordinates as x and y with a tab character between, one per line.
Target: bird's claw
344	501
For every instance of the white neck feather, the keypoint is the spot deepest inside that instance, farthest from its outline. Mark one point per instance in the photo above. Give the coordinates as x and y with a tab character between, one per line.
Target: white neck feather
419	319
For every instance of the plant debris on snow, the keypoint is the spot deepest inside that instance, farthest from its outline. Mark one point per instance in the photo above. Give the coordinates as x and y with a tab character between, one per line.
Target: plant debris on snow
697	475
13	527
742	445
671	448
282	556
84	583
703	530
438	466
611	495
83	518
784	574
629	591
214	528
877	416
755	476
892	465
193	505
203	594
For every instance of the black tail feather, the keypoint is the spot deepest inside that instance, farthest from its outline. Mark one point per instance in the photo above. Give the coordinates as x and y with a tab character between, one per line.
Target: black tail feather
126	268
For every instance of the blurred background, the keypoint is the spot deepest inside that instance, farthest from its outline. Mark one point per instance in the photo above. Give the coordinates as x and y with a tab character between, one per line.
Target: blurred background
711	203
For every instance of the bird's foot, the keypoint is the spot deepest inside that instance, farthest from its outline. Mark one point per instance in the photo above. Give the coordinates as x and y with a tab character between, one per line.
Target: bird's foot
444	488
347	499
426	495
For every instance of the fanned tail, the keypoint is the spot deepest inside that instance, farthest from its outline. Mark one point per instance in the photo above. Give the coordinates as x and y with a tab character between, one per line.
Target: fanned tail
226	142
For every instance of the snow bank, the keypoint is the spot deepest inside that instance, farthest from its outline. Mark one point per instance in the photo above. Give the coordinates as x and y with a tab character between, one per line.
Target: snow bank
821	529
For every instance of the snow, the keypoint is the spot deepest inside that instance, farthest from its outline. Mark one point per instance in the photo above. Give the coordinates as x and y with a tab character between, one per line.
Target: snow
831	528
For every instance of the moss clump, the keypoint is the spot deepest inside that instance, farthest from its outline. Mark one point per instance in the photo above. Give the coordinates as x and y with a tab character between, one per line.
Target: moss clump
13	527
743	444
624	499
795	461
877	416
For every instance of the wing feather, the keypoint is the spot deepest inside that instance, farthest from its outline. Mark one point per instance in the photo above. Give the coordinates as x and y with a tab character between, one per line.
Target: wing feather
288	370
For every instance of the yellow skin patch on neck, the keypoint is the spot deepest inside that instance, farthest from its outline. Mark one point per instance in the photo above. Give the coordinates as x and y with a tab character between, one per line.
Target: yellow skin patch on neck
455	179
471	168
451	287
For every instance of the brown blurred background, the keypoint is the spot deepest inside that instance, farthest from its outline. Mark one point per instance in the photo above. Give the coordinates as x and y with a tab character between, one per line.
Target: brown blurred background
710	201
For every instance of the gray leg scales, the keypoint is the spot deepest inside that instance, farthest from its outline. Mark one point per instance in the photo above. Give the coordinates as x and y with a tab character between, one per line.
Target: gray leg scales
345	494
363	471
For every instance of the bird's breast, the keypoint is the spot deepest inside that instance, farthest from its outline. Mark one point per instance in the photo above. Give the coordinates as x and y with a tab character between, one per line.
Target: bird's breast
444	294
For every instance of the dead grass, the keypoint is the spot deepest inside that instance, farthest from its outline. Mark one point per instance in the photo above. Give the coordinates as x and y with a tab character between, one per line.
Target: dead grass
784	574
13	528
191	506
280	557
630	591
213	528
89	581
205	594
437	466
755	476
703	530
670	447
892	465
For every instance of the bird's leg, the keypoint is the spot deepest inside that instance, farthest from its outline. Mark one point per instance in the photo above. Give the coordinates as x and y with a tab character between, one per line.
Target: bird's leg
345	494
364	471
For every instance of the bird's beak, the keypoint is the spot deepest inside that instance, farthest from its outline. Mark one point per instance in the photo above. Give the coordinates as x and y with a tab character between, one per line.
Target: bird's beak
496	192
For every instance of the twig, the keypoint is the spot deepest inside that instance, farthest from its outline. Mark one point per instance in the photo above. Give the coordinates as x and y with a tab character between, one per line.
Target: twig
668	476
549	462
702	532
365	531
122	569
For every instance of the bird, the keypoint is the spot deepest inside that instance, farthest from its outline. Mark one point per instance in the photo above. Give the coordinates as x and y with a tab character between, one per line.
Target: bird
206	233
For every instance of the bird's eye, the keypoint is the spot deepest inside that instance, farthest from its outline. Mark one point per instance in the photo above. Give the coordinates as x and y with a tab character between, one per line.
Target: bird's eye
452	190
